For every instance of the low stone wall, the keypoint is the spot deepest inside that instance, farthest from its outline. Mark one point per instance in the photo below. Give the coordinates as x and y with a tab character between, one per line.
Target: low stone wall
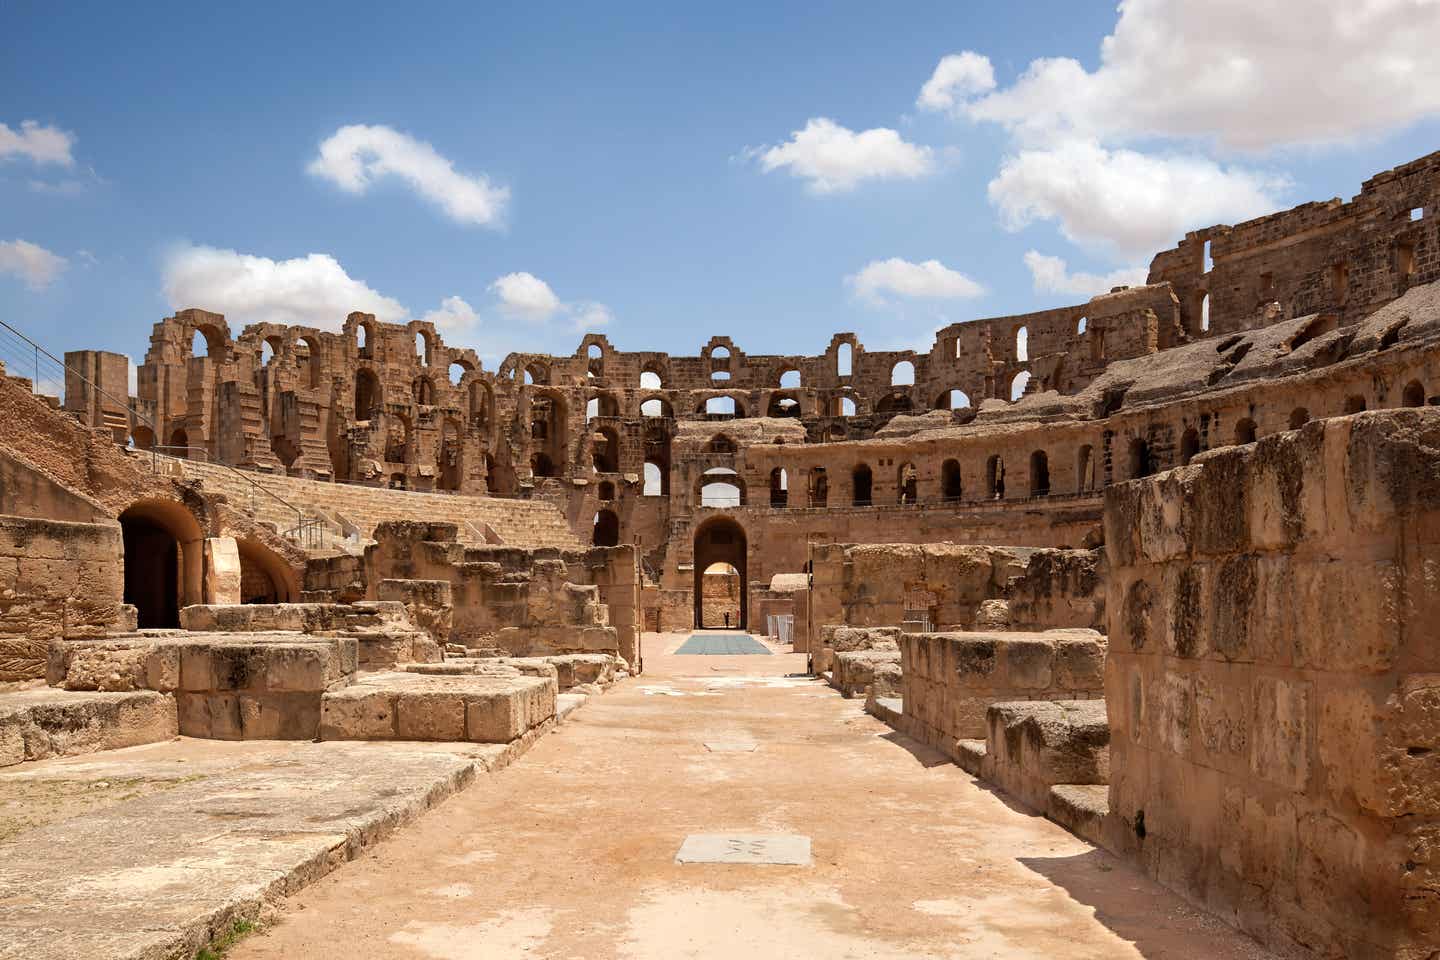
1034	745
944	586
1274	681
61	579
519	602
41	723
950	680
867	673
838	638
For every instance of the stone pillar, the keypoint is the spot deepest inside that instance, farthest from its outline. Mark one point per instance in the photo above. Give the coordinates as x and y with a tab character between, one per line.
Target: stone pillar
222	571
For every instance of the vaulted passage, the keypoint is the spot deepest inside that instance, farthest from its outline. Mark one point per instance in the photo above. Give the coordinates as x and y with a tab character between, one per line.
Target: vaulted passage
162	561
720	540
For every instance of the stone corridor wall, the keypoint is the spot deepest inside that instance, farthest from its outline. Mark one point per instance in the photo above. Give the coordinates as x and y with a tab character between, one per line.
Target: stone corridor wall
1273	683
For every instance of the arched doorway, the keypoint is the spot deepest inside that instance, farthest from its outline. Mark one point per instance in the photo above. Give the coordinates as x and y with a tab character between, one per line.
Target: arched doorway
164	557
720	540
264	576
607	529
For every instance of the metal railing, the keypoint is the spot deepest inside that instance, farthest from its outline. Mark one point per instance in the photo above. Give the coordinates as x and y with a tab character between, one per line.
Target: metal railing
18	352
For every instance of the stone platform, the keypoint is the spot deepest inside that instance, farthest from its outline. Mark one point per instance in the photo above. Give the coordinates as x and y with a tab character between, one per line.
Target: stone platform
44	722
479	708
192	835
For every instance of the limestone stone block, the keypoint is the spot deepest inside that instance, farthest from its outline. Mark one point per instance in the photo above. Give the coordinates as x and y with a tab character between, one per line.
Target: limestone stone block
358	714
1280	731
1080	663
1026	662
1170	702
1348	615
430	716
279	716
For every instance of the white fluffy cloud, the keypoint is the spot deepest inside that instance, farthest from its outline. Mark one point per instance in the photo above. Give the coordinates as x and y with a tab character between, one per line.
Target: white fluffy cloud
312	291
835	159
1132	203
957	77
356	156
30	262
454	318
41	144
1243	74
930	280
526	296
1052	275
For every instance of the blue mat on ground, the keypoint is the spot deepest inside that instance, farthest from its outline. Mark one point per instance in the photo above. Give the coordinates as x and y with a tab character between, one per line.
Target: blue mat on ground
724	644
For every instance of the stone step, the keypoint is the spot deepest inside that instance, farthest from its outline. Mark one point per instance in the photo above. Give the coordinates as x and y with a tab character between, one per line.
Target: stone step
411	706
41	723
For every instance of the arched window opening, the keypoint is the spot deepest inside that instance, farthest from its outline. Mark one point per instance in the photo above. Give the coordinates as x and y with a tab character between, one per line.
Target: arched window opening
1141	464
779	488
607	529
656	408
606	491
1245	431
650	380
1298	418
457	373
422	347
845	407
542	466
953	400
1022	344
307	358
655	485
1084	469
1080	326
995	478
783	406
1413	394
719	596
907	484
861	485
362	340
1019	385
1039	474
950	488
537	373
199	345
720	488
902	374
819	487
720	408
424	392
1205	312
790	380
367	395
843	356
268	348
1189	446
449	455
1354	404
479	405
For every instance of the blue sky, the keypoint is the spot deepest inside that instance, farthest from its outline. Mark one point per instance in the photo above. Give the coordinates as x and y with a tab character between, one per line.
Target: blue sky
523	172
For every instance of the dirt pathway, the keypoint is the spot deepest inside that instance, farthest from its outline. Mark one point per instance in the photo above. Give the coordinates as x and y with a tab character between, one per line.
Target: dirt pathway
570	853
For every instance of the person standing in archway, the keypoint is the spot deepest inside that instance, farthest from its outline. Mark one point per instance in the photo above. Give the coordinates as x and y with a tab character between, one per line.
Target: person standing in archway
727	619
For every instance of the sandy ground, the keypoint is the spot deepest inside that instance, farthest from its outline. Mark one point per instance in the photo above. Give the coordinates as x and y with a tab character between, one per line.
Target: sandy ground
570	853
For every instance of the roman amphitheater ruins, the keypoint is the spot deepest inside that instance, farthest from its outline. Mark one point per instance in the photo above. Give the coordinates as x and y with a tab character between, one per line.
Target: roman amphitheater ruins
1099	631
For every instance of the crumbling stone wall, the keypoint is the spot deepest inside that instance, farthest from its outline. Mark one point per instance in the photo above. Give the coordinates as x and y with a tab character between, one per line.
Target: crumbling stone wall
520	602
1272	683
950	680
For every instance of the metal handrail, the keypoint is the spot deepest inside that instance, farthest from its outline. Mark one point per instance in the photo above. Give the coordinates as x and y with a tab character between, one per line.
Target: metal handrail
302	522
305	527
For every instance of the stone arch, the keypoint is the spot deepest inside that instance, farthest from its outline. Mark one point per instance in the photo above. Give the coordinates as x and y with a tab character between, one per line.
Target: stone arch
907	484
1298	418
1189	446
1245	431
1139	461
606	531
264	576
164	560
720	540
1039	474
819	487
862	485
902	374
950	481
1355	403
1413	395
368	394
779	488
995	477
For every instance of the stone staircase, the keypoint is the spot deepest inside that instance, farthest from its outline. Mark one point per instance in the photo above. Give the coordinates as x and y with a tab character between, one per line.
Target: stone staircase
516	523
